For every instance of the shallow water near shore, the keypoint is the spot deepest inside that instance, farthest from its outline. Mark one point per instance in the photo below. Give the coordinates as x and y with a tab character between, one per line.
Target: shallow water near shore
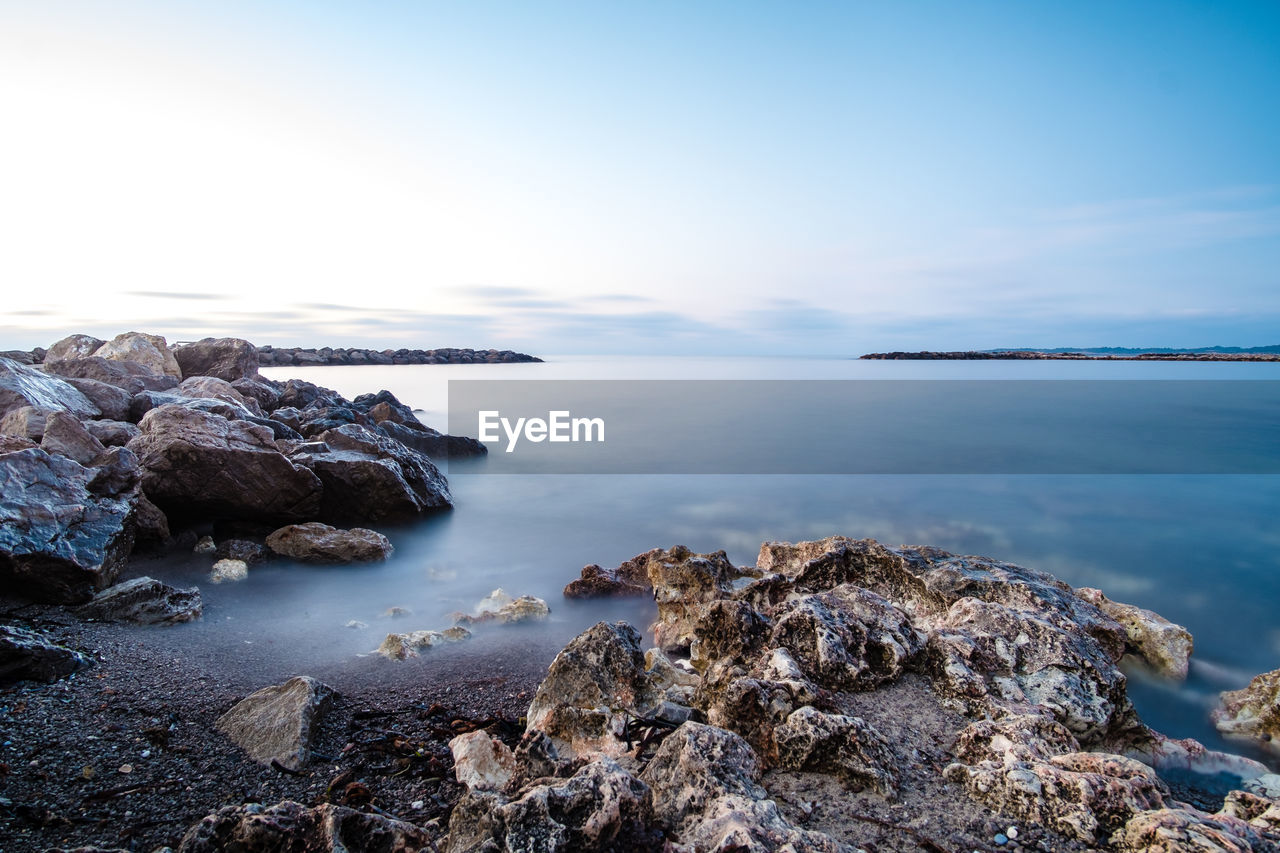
1200	550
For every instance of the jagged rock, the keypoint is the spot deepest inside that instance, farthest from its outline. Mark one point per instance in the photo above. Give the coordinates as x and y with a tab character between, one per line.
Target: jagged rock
27	655
25	422
727	629
433	443
1256	810
65	530
151	351
300	394
151	527
1188	831
1252	712
10	443
601	807
706	791
591	686
536	756
848	638
143	601
677	684
314	542
212	388
251	553
402	646
1165	646
222	358
130	376
112	433
605	583
847	747
198	464
501	608
72	347
26	386
205	545
482	762
278	723
112	400
265	391
684	583
228	571
369	477
66	436
292	827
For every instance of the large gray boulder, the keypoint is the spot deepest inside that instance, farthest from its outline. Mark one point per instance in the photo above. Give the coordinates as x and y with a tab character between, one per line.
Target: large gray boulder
73	347
221	358
129	375
29	656
195	463
151	351
26	386
112	400
143	601
65	435
65	530
279	723
369	477
25	422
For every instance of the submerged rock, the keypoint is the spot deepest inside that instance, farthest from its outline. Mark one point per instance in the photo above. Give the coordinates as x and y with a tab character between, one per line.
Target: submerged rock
1252	712
290	826
314	542
144	601
501	608
27	655
278	724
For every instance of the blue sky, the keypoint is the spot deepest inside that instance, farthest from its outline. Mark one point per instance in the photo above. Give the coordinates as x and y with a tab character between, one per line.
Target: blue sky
659	177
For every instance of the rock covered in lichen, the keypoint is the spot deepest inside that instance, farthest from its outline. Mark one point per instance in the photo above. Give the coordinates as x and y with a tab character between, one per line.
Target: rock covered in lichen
1253	711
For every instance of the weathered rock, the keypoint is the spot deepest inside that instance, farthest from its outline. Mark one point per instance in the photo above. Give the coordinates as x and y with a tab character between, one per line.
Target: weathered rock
65	530
72	347
251	553
590	688
847	747
127	375
10	443
27	655
1162	644
265	391
228	571
601	807
151	351
482	762
1252	712
402	646
727	629
144	601
212	388
501	608
300	394
112	400
221	358
605	583
369	477
434	444
290	827
66	436
279	723
314	542
112	433
684	583
151	526
1189	831
25	422
205	545
848	638
26	386
199	464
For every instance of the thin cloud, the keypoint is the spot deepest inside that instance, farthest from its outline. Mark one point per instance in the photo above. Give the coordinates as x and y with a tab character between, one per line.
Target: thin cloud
175	294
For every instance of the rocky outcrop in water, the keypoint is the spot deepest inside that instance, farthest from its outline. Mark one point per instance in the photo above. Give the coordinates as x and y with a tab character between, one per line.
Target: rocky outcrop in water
1252	712
311	356
314	542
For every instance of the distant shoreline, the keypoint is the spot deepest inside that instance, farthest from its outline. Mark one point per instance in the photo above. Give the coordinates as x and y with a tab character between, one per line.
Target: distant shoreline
1038	355
269	356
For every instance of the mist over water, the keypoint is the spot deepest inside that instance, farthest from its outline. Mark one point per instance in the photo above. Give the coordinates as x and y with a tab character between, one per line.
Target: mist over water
1198	549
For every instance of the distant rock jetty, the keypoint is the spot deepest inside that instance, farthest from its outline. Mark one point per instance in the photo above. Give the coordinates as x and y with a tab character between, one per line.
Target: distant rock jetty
269	356
1037	355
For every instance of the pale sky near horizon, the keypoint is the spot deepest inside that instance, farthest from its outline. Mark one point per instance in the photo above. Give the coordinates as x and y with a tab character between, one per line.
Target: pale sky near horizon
822	179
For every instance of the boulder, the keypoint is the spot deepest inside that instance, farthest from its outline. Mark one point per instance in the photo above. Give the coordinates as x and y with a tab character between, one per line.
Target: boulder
249	552
402	646
112	433
482	762
198	464
10	443
27	655
684	583
314	542
151	351
151	526
1186	831
434	444
73	347
26	386
279	723
112	400
25	422
290	826
592	687
212	388
228	571
300	394
597	582
848	747
221	358
127	375
1162	644
369	477
66	436
1252	712
143	601
265	391
65	530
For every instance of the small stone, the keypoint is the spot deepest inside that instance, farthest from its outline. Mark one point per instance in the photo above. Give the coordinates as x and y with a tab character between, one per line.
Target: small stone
126	768
1001	840
417	805
229	570
1012	832
205	545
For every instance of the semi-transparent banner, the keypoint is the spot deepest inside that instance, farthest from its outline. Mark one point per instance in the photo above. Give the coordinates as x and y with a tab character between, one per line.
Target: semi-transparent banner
869	426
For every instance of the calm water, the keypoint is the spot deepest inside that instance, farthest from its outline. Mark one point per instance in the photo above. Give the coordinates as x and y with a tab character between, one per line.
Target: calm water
1201	550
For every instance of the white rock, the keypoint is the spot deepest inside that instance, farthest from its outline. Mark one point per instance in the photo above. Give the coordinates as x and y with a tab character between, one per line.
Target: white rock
225	571
481	762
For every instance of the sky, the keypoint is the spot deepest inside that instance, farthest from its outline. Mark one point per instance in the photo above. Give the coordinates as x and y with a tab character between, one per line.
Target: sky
659	177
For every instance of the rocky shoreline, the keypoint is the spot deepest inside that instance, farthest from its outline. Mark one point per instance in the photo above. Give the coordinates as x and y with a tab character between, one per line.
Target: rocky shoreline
1035	355
837	695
